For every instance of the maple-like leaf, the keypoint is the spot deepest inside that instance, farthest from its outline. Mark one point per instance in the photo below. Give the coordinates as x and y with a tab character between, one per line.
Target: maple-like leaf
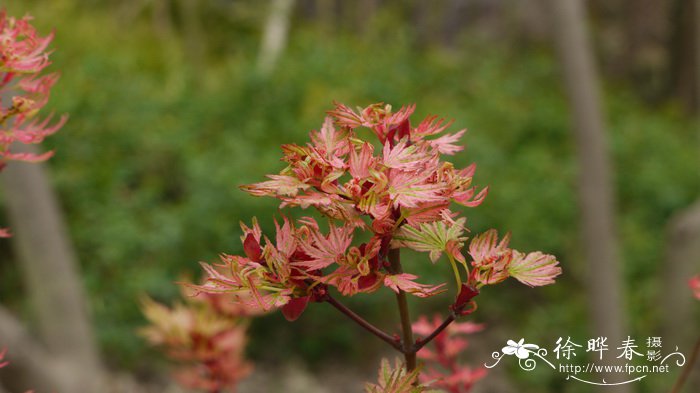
411	189
360	163
330	142
23	56
345	116
278	185
485	248
405	282
207	344
404	156
534	269
446	144
491	258
325	250
431	125
395	380
432	237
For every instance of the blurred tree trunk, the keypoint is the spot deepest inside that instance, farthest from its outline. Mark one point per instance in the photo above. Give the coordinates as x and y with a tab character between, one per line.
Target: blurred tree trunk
683	248
31	366
644	58
596	192
426	21
684	58
682	262
127	11
49	267
194	37
326	14
162	19
454	17
357	15
172	51
275	34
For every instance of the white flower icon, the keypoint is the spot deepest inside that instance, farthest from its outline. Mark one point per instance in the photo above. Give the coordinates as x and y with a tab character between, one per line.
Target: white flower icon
519	349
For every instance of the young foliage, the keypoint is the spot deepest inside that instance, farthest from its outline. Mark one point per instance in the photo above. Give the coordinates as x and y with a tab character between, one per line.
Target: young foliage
23	91
443	367
402	195
206	336
695	286
396	380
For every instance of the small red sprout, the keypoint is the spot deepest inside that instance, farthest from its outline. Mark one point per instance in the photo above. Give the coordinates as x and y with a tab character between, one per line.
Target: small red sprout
695	286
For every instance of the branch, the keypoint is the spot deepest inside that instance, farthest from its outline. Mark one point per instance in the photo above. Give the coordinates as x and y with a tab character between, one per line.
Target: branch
362	322
420	343
688	368
409	354
30	362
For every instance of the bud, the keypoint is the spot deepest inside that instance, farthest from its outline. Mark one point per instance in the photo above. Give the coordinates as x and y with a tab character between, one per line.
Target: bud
464	299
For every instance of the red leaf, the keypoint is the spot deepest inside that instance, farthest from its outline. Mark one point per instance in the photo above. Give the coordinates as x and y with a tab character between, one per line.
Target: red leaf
466	294
294	308
252	249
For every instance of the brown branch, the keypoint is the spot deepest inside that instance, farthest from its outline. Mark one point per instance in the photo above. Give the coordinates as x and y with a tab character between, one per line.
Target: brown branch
420	343
393	341
407	342
30	363
678	386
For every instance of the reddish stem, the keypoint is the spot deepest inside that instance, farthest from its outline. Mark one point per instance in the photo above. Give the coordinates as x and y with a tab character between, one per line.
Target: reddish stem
407	343
420	343
687	369
363	323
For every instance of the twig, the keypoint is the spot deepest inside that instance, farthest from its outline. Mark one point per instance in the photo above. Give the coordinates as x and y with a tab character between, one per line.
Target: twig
687	369
408	352
366	325
420	343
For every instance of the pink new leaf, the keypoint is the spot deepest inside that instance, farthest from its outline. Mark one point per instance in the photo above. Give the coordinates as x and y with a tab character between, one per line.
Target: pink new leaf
345	116
411	189
485	248
395	380
404	282
534	269
325	250
695	286
446	144
361	163
432	237
403	156
330	142
279	185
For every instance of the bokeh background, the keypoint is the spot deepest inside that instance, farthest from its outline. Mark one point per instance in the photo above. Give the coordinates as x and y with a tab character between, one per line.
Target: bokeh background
175	103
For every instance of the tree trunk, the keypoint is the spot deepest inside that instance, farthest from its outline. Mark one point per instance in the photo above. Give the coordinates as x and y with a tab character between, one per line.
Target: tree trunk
682	262
31	366
275	35
683	255
454	18
171	47
594	179
326	15
49	267
194	37
684	54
